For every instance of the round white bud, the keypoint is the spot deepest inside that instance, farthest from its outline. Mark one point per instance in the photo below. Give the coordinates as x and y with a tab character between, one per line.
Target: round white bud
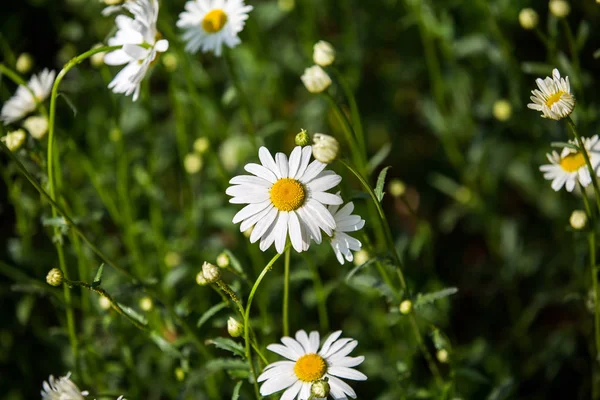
406	307
578	219
37	126
502	110
14	140
24	63
192	163
211	273
323	53
528	18
559	8
234	327
55	277
315	79
325	148
320	389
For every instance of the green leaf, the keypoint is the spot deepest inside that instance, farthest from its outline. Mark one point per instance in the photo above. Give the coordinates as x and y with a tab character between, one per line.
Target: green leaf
502	391
134	314
423	299
379	193
565	144
229	345
234	262
236	391
98	278
69	102
379	157
226	364
209	313
164	345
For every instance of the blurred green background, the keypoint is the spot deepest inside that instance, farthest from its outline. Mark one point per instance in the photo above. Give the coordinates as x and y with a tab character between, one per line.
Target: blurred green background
426	75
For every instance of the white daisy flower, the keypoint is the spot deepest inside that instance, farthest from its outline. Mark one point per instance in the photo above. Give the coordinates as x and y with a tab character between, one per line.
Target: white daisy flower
554	98
141	44
208	24
569	167
308	365
343	244
62	388
24	101
285	196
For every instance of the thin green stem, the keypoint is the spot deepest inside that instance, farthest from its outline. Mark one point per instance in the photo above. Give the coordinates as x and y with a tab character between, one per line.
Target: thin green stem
321	296
586	156
286	293
358	129
266	269
246	111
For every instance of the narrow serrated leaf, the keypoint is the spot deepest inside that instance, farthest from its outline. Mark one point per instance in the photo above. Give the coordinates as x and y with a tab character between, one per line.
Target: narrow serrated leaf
229	345
236	391
209	313
423	299
164	345
564	144
220	364
234	262
69	103
98	278
379	157
380	184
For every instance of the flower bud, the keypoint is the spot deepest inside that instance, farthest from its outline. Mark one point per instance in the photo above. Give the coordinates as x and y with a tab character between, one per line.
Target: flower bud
97	60
502	110
559	8
172	259
179	374
234	327
223	260
302	138
315	79
578	219
170	61
325	148
406	307
192	163
323	53
104	303
396	187
211	273
286	5
320	389
200	279
528	18
55	277
201	145
443	356
361	257
24	63
37	126
146	303
14	140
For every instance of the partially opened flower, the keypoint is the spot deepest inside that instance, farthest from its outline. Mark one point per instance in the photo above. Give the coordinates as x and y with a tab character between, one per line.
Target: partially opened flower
569	167
24	101
62	388
210	24
141	45
554	98
285	197
343	244
308	364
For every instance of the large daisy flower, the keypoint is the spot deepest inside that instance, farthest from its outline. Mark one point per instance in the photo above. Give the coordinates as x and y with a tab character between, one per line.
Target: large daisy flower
208	24
554	98
569	167
343	244
24	101
308	364
141	44
285	196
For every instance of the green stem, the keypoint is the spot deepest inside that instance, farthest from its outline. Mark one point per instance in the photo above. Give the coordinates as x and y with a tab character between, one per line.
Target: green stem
113	303
358	129
235	79
266	269
321	297
586	156
392	248
286	292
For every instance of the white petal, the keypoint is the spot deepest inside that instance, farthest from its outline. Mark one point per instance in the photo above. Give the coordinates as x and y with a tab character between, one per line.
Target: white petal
284	351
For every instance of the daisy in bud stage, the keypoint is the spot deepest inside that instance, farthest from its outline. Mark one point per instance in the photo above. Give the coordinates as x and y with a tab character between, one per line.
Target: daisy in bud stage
315	79
27	98
61	388
307	364
141	45
343	244
569	167
554	98
285	197
210	24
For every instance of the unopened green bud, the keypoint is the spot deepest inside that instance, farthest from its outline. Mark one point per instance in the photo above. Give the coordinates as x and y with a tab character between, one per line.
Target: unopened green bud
223	260
396	187
146	303
234	327
302	138
200	279
320	389
179	374
201	145
24	63
443	356
406	307
55	277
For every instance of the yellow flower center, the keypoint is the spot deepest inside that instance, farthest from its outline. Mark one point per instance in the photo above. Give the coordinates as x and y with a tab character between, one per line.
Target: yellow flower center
310	367
572	162
214	21
287	194
554	98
